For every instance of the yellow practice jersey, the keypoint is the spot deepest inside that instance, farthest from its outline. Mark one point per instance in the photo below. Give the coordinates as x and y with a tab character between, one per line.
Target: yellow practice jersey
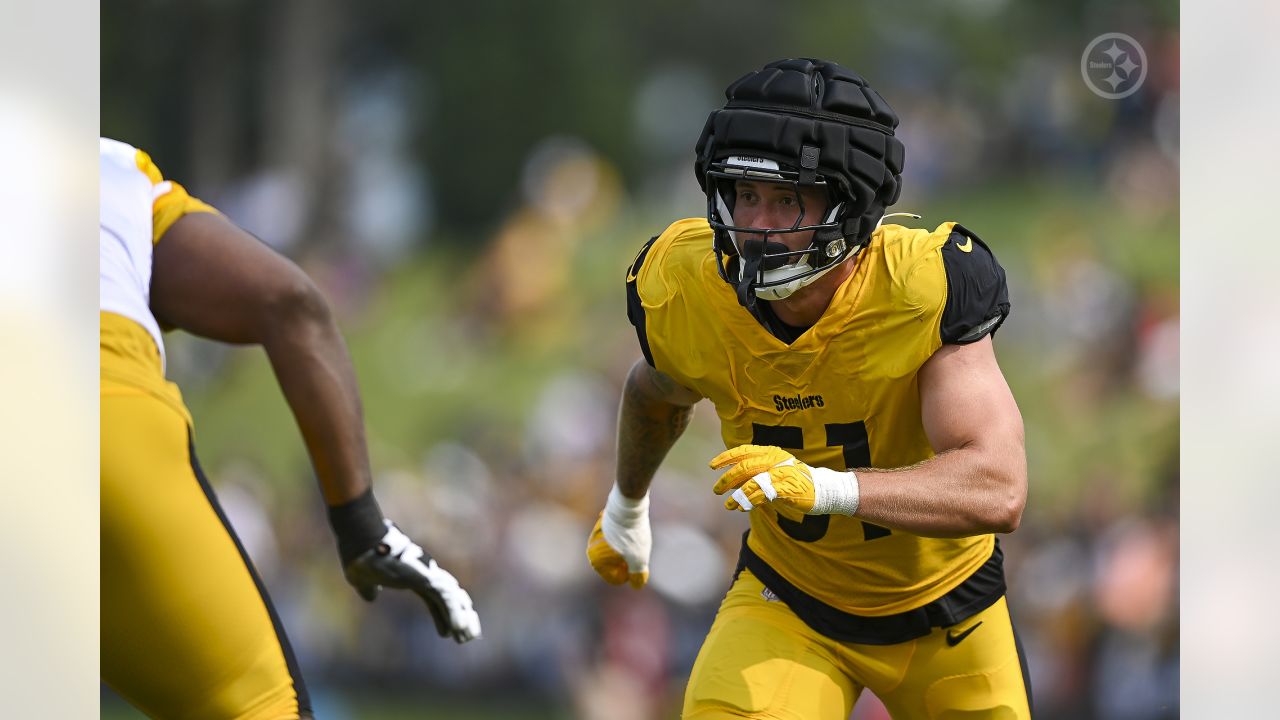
137	205
842	395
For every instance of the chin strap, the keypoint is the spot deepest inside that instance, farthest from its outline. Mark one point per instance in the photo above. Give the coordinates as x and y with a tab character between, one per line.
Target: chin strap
746	282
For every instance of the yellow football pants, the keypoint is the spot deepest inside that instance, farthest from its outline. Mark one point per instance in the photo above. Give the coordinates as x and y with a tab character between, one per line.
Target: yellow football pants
761	661
187	629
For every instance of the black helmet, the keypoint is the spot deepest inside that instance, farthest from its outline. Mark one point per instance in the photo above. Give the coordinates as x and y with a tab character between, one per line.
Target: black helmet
808	123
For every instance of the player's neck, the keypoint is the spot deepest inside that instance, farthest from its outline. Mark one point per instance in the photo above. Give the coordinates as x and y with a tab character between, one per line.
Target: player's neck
804	307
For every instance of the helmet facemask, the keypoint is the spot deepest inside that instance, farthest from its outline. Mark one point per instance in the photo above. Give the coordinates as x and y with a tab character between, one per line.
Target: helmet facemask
750	258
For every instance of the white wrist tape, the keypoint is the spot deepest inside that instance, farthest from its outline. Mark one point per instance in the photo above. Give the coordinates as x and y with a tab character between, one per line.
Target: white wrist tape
624	509
834	492
625	526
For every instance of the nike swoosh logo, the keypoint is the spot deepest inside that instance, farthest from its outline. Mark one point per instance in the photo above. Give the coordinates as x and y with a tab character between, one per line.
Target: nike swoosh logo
967	246
980	330
954	638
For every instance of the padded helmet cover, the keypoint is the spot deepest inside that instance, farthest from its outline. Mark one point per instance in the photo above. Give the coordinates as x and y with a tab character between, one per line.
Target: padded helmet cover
793	109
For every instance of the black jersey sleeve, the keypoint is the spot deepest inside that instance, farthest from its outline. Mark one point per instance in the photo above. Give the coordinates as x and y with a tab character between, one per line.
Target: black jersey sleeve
977	296
635	309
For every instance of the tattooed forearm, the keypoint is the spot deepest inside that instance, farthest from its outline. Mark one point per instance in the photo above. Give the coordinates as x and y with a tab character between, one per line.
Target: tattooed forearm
648	425
679	421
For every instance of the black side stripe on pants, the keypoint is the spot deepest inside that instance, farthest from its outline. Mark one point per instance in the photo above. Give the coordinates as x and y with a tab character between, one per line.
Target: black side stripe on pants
1022	662
299	687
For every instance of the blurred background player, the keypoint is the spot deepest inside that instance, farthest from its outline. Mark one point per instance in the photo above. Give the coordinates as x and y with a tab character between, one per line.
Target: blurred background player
187	627
873	438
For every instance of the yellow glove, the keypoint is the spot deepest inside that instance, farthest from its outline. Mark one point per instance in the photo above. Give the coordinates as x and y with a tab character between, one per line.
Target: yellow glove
619	545
763	474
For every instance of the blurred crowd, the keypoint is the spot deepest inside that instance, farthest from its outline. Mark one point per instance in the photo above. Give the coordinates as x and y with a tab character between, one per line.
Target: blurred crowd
492	355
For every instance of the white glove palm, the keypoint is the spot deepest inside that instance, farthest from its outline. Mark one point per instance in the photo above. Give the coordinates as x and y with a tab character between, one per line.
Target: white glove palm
398	562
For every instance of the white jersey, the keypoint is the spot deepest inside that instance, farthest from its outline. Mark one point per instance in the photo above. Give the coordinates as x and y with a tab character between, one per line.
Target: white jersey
137	205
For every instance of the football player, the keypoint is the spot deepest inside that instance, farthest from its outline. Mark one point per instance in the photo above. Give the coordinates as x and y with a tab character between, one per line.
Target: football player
187	627
872	438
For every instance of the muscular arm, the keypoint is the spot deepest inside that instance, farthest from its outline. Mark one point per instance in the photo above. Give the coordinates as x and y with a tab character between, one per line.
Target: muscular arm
215	280
654	412
977	483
